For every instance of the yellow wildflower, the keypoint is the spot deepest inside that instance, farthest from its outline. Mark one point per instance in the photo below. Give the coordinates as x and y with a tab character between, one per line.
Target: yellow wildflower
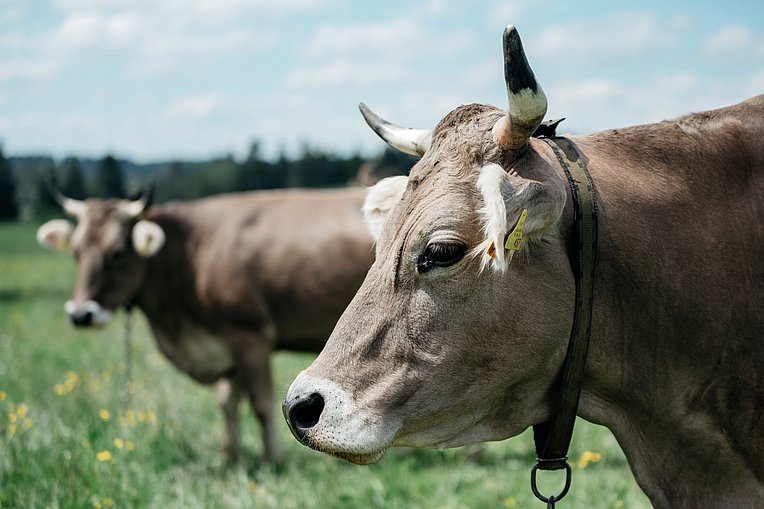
26	423
510	502
119	443
59	389
104	415
97	504
11	429
141	416
2	395
252	486
104	456
151	416
72	377
12	417
107	502
588	457
22	410
129	445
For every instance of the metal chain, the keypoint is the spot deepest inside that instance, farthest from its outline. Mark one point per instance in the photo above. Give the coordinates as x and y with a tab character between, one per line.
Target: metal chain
128	361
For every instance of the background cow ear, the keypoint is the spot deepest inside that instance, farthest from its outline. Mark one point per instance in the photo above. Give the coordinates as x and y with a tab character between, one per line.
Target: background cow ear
513	203
55	234
148	238
380	199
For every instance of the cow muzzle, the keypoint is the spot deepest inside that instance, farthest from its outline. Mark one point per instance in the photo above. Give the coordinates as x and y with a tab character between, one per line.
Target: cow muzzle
87	314
324	417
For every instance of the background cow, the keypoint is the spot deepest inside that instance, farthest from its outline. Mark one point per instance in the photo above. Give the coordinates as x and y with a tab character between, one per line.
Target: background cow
223	281
452	340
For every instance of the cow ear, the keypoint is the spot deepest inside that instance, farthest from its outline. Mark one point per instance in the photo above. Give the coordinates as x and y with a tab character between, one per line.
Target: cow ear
380	199
148	238
516	211
55	234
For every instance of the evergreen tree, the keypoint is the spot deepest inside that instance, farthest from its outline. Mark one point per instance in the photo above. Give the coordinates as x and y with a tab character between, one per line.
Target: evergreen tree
74	182
9	208
108	179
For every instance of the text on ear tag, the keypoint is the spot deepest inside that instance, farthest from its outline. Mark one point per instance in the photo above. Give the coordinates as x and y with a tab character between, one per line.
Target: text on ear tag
515	237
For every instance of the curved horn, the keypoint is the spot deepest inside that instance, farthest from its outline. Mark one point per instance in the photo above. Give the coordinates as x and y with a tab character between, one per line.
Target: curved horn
70	206
527	102
414	142
136	207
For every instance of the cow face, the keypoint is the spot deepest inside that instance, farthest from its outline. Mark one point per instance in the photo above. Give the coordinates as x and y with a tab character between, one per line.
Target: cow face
452	338
110	245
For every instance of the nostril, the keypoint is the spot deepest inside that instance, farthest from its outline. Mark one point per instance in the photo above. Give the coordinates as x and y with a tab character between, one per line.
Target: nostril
305	414
82	318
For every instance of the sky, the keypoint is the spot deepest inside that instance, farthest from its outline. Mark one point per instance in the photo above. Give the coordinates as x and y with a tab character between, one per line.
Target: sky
191	79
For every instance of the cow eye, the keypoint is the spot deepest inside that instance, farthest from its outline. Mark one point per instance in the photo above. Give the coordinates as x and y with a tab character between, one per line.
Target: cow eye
440	254
117	256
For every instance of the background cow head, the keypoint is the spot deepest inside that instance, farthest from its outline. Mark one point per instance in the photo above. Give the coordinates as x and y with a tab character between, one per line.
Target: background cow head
452	338
110	242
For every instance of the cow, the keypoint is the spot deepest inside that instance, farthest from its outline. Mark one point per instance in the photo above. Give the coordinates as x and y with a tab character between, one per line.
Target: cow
454	339
223	281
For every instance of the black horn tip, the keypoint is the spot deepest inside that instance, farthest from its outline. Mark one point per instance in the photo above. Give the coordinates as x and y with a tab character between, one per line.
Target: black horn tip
517	71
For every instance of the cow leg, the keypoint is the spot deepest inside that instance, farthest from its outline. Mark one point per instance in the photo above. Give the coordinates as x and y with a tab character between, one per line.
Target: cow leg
228	395
252	356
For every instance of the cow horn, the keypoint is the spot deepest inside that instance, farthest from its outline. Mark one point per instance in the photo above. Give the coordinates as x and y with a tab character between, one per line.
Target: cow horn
136	207
70	206
527	102
414	142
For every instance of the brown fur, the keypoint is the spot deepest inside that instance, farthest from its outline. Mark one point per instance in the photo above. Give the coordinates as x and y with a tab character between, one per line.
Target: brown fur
254	272
676	365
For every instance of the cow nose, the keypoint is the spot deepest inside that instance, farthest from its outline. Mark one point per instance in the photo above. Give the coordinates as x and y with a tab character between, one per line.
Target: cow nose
82	318
303	413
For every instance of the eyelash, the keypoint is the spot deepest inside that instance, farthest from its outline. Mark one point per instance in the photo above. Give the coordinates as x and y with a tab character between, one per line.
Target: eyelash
440	254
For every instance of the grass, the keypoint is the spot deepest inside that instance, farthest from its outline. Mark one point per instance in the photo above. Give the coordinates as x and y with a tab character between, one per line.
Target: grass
66	443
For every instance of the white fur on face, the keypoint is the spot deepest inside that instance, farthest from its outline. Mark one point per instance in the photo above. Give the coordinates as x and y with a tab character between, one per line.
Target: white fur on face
101	316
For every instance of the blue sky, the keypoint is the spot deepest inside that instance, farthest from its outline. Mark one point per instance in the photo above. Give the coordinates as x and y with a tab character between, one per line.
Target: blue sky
164	79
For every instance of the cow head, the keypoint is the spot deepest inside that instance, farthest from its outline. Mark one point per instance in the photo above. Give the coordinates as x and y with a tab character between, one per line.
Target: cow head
452	338
110	243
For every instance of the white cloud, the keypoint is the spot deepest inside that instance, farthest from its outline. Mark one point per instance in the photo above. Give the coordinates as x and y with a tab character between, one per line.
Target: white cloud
730	38
617	35
28	70
509	12
401	38
340	73
195	107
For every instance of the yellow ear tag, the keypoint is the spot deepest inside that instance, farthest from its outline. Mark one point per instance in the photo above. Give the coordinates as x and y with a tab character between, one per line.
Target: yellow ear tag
515	237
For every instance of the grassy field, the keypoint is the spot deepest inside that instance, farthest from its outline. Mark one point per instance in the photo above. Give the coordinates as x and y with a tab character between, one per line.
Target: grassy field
66	443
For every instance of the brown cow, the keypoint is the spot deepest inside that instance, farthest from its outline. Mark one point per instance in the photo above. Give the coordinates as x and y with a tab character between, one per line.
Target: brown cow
223	281
451	340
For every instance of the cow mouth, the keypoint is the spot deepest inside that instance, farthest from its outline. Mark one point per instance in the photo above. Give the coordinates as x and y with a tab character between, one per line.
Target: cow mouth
359	458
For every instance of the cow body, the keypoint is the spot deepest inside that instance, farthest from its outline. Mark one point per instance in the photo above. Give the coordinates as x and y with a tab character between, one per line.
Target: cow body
452	340
238	276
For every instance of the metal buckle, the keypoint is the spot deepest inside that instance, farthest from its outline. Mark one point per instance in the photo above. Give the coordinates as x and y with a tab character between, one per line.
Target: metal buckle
550	500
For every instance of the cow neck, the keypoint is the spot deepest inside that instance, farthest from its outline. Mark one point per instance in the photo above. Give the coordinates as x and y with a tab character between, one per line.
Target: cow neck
553	437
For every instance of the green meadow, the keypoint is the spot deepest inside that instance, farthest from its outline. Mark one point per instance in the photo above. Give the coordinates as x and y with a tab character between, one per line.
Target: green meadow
67	442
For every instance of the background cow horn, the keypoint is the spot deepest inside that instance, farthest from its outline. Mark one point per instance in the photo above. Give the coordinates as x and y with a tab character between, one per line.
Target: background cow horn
137	206
414	142
527	102
70	206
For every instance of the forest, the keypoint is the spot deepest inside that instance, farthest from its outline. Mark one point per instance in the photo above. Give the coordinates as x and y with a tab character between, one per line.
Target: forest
25	179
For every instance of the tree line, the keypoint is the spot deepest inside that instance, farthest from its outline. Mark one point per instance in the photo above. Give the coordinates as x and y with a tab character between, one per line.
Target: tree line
25	181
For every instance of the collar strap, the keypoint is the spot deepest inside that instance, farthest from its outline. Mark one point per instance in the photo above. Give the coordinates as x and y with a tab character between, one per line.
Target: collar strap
553	437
